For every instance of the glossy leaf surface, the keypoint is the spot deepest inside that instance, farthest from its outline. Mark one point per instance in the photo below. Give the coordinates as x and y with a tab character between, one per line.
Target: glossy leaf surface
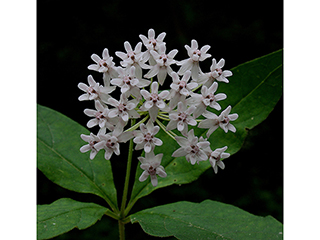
65	214
59	157
206	220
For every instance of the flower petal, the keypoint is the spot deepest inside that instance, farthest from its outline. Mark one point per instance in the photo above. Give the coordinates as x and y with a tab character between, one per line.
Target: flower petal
154	180
153	112
161	172
85	148
157	142
162	75
182	141
143	176
180	125
92	123
154	87
147	147
180	152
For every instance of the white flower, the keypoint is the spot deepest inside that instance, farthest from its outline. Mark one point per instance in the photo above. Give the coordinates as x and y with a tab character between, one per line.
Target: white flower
213	121
105	66
163	64
145	139
132	58
216	156
101	117
191	148
225	118
215	74
151	166
110	141
123	108
94	91
151	43
92	140
180	89
195	56
128	82
154	101
207	98
181	118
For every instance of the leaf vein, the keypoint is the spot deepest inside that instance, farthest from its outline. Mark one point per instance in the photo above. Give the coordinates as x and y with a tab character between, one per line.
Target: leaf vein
270	73
79	170
48	126
70	211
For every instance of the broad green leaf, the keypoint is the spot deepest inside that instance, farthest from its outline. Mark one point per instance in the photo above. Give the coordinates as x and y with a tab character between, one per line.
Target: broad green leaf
206	220
59	157
253	91
65	214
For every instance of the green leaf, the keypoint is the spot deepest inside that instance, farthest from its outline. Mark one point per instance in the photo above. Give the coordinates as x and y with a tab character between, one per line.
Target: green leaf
253	91
206	220
59	157
65	214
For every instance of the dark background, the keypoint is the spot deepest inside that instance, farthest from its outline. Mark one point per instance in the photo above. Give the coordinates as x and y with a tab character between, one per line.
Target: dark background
68	32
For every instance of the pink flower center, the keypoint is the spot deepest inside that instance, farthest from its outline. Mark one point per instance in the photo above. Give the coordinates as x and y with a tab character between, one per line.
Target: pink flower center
91	91
195	149
122	107
154	97
152	171
182	116
103	63
164	58
197	52
92	143
110	143
99	115
219	71
148	137
211	97
216	158
131	55
127	80
153	42
225	120
182	84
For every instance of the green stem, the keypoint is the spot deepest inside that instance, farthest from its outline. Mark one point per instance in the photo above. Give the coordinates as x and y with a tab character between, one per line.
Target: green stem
121	230
126	184
130	205
137	125
112	214
170	133
200	85
163	114
125	189
164	118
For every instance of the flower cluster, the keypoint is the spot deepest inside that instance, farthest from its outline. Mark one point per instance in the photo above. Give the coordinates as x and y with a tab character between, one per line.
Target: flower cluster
139	97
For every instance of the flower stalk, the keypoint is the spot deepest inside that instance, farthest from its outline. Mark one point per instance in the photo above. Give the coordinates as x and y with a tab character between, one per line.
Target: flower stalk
126	188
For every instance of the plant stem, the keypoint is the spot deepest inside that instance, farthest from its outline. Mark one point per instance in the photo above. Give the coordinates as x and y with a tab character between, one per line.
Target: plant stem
121	230
170	133
200	85
164	118
126	184
112	214
134	127
125	189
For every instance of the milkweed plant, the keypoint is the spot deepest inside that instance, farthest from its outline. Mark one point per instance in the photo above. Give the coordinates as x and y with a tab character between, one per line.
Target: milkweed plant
171	129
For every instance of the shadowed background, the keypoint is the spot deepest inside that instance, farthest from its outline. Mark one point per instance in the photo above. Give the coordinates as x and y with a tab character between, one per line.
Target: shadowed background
69	32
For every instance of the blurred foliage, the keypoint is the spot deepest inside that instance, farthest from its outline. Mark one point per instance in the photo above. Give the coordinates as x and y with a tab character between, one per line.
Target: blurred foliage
69	32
